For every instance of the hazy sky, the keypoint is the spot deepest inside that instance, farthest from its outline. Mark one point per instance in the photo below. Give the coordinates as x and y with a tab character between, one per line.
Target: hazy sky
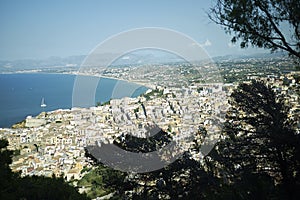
40	29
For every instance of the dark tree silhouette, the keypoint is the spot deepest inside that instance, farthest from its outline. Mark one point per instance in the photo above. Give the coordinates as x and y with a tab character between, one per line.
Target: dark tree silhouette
270	24
183	179
7	183
259	158
261	145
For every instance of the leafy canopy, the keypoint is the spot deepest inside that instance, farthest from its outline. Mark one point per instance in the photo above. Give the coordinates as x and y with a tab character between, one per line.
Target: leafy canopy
270	24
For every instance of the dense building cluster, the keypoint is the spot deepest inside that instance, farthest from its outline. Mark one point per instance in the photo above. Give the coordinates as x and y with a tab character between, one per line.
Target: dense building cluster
53	143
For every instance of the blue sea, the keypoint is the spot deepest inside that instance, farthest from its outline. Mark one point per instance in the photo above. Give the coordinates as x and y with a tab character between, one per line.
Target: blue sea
21	94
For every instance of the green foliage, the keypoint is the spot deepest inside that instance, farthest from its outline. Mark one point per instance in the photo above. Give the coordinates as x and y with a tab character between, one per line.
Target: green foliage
17	152
182	179
85	169
101	181
38	187
7	181
153	93
250	186
103	104
106	103
93	181
112	179
136	110
260	23
199	89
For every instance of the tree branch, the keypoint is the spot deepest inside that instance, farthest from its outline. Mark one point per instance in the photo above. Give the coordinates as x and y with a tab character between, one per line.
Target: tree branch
270	18
261	30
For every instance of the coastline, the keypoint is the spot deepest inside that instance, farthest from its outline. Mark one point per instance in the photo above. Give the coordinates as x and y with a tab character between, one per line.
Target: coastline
13	119
80	74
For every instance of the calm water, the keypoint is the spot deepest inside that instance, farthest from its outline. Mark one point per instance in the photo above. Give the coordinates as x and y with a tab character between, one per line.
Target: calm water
21	94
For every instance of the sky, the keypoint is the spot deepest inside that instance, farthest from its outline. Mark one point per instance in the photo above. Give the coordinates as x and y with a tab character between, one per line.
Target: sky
35	29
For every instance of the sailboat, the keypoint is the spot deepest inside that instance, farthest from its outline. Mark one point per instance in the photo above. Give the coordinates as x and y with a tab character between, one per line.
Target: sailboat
43	105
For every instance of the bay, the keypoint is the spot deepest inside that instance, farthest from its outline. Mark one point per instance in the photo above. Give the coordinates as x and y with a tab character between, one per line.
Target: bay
21	94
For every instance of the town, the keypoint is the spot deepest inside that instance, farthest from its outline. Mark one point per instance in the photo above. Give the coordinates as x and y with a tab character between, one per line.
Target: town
54	143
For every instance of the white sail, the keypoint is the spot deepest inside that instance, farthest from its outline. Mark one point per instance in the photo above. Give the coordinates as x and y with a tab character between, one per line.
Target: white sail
43	103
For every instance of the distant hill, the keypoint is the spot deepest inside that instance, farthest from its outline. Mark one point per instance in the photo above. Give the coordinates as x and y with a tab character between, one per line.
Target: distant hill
133	58
257	55
27	64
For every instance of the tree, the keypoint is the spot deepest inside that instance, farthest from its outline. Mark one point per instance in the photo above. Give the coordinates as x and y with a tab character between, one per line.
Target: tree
39	187
270	24
261	144
183	179
7	182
